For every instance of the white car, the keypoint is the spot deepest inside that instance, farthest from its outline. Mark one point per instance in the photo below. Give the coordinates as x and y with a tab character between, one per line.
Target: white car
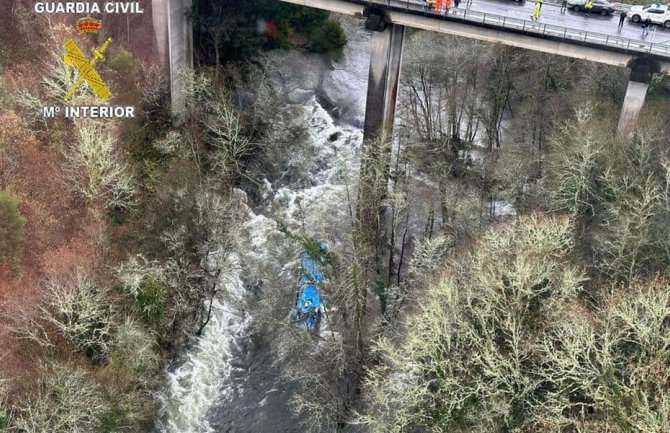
657	13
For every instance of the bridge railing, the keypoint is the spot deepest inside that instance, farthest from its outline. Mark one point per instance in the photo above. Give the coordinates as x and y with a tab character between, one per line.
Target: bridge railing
528	26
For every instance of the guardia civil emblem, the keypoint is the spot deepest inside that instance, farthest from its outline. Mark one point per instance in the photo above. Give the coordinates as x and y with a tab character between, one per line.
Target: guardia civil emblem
75	57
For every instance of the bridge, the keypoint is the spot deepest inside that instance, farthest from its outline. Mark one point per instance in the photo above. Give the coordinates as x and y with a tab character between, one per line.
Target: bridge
565	34
568	34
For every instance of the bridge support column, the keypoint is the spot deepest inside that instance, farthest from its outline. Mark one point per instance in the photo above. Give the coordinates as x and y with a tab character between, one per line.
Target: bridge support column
383	78
636	92
159	10
180	48
373	216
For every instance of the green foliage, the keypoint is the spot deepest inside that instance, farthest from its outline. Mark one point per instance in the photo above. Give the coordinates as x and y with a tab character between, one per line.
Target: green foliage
311	246
151	299
660	87
229	28
328	37
4	419
11	228
302	18
123	63
115	420
127	74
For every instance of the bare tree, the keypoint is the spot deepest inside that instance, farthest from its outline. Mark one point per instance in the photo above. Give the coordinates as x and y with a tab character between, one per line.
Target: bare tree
94	169
575	170
174	290
79	310
618	188
611	373
466	361
63	400
135	349
226	137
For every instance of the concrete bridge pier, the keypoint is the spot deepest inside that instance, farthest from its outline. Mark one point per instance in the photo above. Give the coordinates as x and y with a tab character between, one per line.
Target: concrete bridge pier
173	33
180	36
159	10
383	80
384	76
636	92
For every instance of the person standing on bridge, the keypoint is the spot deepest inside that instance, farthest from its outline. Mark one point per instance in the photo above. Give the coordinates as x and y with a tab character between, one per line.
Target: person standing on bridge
645	26
540	2
536	12
588	6
622	17
468	4
457	3
564	5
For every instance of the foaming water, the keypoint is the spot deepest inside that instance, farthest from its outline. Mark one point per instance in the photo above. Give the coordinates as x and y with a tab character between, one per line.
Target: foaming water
202	385
206	392
197	383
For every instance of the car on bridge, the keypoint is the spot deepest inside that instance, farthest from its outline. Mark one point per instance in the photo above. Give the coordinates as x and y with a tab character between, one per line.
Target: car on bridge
602	7
657	13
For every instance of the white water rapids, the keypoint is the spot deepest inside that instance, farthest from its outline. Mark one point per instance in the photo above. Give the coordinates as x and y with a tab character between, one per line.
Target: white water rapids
201	388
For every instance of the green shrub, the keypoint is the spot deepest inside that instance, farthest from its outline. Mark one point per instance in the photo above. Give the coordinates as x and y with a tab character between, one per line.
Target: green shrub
151	299
4	419
11	228
328	37
115	419
4	414
127	74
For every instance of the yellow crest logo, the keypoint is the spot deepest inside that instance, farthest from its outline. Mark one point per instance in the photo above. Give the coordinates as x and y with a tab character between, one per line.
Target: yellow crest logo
76	57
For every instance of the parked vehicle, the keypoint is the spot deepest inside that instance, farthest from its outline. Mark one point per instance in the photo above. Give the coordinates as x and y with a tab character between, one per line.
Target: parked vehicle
657	13
602	7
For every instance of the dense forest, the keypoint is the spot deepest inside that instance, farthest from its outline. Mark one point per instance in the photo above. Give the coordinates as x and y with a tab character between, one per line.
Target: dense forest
501	266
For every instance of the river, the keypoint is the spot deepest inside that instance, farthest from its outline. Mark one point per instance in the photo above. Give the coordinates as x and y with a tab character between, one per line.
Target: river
228	380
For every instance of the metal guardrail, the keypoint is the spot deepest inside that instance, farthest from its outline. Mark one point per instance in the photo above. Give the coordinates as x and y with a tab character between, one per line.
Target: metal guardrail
528	26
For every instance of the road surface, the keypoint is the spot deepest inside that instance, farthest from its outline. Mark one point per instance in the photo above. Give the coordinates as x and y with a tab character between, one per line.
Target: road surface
551	14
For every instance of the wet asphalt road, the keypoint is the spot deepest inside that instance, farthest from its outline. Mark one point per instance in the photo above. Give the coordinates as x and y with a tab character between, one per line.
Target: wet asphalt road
551	14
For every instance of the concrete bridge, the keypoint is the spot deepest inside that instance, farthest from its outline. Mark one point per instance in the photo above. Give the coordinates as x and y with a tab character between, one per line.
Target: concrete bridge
564	34
560	34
